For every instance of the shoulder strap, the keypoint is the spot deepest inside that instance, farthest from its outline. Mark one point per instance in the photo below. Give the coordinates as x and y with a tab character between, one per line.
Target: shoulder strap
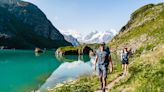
106	48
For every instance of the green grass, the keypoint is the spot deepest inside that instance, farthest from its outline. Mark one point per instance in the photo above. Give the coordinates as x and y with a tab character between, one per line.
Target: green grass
143	77
142	9
162	60
68	48
150	46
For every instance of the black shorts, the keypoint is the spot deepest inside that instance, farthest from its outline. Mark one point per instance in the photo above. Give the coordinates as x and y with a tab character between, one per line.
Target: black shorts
125	61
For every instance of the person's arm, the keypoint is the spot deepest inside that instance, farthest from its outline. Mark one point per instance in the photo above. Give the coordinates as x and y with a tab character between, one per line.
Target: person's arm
95	62
110	63
121	56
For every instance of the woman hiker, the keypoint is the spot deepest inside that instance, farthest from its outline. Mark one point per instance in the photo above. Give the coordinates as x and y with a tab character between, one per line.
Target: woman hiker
125	60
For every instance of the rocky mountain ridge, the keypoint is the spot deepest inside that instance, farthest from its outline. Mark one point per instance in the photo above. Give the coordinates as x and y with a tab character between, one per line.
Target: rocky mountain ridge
71	39
25	26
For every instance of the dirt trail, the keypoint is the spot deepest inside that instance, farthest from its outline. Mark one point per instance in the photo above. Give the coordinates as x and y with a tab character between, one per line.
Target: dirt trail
110	85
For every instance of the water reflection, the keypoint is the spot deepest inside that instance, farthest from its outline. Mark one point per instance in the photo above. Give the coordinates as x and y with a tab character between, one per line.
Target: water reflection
69	70
84	58
72	58
37	54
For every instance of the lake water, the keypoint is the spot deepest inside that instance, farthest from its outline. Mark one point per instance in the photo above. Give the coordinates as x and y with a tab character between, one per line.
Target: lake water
24	71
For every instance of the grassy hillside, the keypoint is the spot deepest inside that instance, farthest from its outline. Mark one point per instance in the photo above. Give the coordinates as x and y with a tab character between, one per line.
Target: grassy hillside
144	34
144	30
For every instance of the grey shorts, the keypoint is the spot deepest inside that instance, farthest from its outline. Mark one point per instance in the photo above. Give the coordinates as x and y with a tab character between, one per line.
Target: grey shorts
103	70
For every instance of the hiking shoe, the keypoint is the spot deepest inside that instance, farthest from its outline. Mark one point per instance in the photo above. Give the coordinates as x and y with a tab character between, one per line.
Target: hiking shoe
103	90
121	74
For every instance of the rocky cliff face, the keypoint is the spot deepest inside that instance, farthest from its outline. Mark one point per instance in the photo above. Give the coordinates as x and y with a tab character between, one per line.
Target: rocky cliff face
71	39
24	25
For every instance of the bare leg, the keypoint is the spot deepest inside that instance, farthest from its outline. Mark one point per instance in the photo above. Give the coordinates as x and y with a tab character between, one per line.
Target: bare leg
104	84
126	68
101	82
122	66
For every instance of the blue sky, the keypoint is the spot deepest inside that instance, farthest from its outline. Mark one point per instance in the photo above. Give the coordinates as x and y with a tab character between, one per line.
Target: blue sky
85	16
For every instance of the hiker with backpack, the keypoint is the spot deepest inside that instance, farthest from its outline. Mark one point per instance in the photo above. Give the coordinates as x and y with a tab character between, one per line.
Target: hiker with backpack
125	60
103	59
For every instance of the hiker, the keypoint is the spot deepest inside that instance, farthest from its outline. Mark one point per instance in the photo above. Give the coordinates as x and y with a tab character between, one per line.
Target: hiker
103	59
125	60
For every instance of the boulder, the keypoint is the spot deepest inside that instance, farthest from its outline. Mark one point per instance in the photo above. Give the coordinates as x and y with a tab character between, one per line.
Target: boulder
38	50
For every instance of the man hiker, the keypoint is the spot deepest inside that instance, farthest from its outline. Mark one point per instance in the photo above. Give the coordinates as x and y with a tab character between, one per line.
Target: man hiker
103	59
125	60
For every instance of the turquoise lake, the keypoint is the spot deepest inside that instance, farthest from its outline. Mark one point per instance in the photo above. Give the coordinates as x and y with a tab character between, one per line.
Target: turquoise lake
25	71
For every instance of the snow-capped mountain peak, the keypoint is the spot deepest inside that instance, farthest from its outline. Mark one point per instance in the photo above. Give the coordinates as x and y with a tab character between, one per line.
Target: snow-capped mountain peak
92	37
89	36
98	37
73	33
